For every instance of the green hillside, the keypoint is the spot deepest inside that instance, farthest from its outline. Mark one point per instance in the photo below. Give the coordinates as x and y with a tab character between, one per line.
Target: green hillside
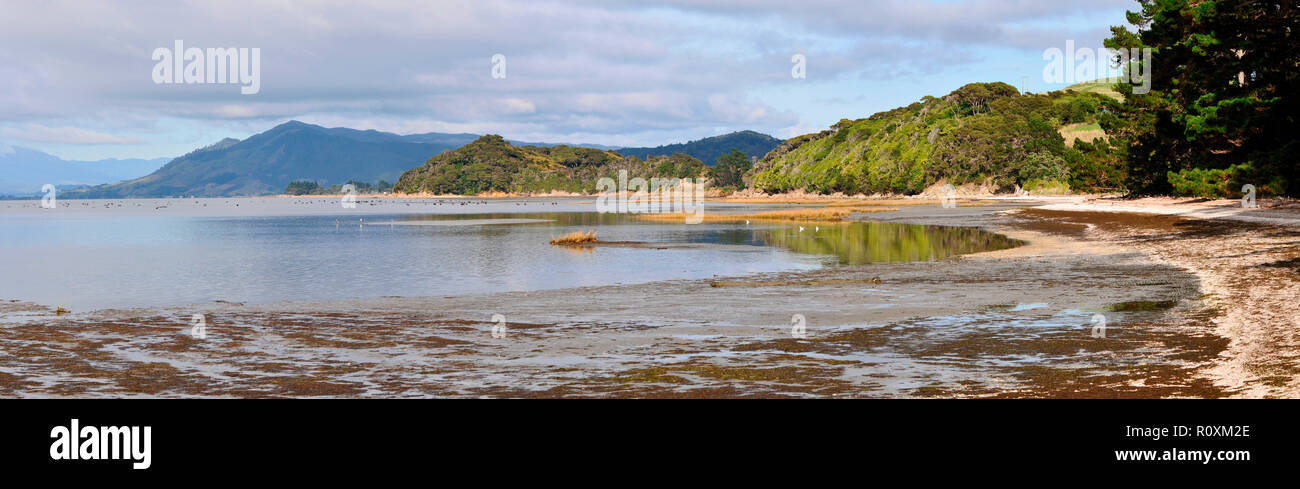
708	150
981	132
492	164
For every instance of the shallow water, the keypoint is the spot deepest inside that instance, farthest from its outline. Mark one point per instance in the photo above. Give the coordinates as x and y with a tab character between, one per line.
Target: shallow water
99	254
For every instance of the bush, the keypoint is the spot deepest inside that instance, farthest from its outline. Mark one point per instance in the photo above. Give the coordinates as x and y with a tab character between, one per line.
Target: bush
1224	182
302	187
1043	166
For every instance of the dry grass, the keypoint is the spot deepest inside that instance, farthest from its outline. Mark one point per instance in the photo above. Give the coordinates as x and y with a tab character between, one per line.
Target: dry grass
784	199
575	238
821	214
1086	132
1104	88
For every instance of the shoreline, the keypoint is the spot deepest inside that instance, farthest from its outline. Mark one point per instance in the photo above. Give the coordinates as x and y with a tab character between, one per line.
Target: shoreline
617	341
1246	263
1249	269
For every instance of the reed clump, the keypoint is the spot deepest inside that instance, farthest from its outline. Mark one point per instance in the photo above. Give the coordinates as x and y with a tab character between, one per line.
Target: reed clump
575	238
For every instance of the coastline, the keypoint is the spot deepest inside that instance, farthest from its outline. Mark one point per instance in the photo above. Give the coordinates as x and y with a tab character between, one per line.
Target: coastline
1246	262
624	341
1248	266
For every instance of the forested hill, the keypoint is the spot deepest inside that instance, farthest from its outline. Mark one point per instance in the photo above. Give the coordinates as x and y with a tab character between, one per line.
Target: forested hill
981	132
492	164
708	150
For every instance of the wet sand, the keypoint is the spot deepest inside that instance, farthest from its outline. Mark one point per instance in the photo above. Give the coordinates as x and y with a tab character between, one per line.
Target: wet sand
1011	323
1248	264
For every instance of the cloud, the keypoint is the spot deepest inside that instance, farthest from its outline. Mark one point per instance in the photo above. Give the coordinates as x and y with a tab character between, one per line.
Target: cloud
235	111
598	69
63	135
985	22
518	106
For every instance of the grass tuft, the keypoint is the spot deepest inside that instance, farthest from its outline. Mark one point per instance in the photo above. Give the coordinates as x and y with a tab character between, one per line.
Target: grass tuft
575	238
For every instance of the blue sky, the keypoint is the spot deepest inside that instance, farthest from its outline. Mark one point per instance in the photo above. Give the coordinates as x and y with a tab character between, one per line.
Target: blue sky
75	77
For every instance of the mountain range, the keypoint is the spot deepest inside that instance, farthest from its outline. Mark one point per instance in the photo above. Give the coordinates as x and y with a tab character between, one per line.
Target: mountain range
265	163
26	170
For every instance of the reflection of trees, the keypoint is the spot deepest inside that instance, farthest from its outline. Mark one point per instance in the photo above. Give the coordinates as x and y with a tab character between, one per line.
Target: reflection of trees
851	243
560	218
857	243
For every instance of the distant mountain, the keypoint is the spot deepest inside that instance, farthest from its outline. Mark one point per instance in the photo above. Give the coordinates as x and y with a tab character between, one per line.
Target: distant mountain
709	149
24	171
572	145
265	163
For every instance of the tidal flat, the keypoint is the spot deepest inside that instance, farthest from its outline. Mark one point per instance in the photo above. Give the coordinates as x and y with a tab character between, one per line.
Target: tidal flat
1016	317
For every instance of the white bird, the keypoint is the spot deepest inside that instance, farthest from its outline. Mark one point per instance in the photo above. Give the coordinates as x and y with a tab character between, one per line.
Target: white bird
801	229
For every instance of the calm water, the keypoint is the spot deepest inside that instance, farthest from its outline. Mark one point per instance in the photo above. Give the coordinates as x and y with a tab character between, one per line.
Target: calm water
130	253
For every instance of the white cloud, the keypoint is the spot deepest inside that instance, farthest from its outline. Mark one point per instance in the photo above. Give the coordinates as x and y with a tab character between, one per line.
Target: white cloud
63	135
518	106
235	111
735	110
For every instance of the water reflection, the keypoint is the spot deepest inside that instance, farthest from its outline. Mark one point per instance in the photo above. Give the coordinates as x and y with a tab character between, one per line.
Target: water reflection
85	261
875	242
849	243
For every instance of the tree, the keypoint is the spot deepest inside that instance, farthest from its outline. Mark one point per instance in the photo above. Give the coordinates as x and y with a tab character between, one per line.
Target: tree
301	187
679	165
1223	104
730	170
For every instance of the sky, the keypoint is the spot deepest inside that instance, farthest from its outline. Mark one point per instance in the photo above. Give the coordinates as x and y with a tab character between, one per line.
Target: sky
77	78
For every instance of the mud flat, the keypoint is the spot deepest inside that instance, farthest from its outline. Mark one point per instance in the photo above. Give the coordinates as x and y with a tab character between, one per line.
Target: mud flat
1012	323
